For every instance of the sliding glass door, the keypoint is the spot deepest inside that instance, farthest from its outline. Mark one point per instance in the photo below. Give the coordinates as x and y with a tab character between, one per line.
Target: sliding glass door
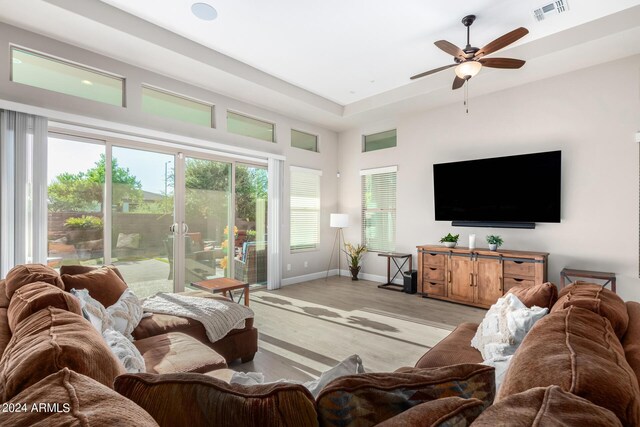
171	218
75	201
207	241
142	214
251	223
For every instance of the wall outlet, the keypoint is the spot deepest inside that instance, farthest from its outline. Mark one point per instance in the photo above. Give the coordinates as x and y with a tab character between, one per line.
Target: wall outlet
306	264
288	267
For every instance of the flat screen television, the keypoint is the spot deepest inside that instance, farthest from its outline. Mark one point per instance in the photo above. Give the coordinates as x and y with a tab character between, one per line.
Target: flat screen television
501	190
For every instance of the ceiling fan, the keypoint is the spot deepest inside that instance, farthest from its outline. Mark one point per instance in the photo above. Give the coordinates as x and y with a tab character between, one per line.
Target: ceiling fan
470	60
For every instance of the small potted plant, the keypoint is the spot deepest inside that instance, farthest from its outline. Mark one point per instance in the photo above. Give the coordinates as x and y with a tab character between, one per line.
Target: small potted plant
450	240
494	242
354	254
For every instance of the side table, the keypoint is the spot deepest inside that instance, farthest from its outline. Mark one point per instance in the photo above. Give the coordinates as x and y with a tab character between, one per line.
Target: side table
224	285
393	256
567	273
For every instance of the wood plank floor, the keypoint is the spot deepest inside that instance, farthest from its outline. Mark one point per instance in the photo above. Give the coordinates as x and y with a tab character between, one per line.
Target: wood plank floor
307	328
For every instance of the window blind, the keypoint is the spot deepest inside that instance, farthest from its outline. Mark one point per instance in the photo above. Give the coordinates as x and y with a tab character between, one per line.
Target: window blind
379	209
304	208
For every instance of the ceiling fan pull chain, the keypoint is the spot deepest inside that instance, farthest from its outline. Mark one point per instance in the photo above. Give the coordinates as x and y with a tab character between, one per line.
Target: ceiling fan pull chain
466	96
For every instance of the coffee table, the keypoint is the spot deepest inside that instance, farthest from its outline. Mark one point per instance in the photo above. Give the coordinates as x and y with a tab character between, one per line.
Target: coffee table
224	285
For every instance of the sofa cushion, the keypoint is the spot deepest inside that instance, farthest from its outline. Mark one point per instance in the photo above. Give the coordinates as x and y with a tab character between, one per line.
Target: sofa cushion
4	300
177	352
577	350
454	349
631	340
369	399
546	407
48	341
158	324
5	331
24	274
597	299
34	297
75	400
198	400
102	283
448	411
542	295
82	269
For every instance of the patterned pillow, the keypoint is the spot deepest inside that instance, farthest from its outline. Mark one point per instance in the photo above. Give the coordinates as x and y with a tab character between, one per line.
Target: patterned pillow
445	412
125	351
369	399
126	313
93	311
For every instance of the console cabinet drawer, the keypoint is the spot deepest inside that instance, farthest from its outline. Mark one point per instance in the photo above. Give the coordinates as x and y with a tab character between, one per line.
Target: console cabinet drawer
510	282
519	268
433	288
433	260
433	273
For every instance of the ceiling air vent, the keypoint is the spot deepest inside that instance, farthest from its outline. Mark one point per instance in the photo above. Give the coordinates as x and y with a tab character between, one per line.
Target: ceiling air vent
552	8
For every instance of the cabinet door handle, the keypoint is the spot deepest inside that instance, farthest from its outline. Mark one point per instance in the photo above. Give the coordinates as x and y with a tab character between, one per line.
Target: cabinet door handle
471	279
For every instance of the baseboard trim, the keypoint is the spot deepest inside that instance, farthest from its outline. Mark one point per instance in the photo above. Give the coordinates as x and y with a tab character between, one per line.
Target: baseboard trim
306	277
344	273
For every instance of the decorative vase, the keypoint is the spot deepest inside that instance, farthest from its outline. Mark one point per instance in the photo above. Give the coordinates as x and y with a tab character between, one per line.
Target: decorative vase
450	244
354	272
493	246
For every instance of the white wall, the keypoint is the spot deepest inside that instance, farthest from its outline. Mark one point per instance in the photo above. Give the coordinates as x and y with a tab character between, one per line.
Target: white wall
591	115
325	160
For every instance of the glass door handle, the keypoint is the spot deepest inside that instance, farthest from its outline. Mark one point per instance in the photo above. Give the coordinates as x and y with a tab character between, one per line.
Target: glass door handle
185	228
172	227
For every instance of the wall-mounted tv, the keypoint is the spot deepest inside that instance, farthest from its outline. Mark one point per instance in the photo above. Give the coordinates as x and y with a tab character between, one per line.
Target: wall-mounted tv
500	191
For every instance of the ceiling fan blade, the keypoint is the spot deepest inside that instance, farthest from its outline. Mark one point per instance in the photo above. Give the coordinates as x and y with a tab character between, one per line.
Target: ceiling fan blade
450	48
502	41
502	62
435	70
457	83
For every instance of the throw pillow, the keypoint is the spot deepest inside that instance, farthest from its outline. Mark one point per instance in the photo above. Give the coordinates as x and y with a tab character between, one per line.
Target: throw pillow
505	326
546	407
369	399
82	269
24	274
93	311
542	295
74	400
34	297
126	313
445	412
199	400
350	366
50	340
103	284
129	241
125	351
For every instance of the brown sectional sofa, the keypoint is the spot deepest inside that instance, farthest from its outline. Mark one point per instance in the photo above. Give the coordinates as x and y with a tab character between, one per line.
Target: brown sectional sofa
577	366
582	358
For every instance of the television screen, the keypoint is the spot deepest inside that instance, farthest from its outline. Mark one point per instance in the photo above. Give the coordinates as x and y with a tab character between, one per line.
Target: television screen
523	188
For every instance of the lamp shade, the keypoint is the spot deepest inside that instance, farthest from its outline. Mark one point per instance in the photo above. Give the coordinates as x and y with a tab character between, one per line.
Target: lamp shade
339	220
468	69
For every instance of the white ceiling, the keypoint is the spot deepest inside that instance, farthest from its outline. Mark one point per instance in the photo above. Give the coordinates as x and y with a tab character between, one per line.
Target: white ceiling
333	62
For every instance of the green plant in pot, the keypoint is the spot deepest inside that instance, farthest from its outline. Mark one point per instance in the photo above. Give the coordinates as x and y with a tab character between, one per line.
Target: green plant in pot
450	240
354	255
494	242
83	228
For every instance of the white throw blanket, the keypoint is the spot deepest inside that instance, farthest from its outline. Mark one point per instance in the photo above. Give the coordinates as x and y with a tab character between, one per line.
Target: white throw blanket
218	317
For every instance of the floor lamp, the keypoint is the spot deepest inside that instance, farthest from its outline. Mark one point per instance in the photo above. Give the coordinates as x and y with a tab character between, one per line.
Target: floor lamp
337	221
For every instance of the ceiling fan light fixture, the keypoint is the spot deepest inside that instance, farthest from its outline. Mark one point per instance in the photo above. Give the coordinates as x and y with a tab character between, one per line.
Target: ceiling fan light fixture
467	69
